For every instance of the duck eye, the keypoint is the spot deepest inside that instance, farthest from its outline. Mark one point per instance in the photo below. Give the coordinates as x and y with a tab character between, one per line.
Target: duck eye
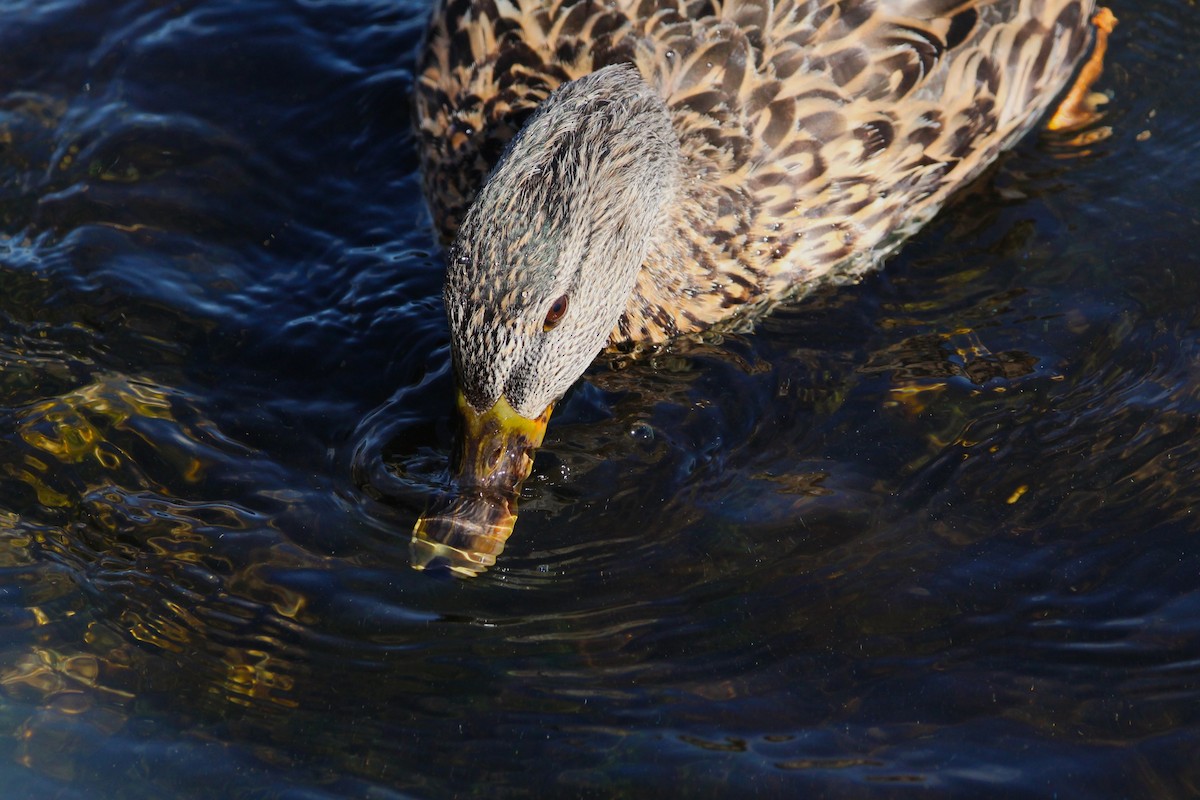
557	309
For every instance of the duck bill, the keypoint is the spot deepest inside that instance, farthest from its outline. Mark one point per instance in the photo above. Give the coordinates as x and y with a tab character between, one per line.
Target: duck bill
466	531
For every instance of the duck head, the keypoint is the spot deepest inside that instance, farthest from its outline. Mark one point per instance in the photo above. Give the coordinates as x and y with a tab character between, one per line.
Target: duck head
538	275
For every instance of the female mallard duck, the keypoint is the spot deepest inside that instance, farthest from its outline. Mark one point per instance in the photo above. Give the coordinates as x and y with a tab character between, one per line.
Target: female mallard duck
628	171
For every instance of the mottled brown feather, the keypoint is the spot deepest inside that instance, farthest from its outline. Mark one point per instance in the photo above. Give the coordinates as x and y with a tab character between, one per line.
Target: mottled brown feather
816	134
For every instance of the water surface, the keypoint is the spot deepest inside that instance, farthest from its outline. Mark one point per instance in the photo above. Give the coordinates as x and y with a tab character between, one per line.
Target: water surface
932	534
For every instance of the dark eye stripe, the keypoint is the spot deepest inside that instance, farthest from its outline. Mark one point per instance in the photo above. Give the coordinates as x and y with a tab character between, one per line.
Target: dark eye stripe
557	309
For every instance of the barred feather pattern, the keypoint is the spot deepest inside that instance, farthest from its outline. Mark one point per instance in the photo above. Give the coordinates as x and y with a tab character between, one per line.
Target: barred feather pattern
815	134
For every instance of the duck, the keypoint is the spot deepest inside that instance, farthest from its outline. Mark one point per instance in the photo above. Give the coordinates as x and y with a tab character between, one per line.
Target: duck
616	174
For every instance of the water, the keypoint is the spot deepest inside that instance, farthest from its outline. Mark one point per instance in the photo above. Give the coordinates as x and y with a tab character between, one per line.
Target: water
930	534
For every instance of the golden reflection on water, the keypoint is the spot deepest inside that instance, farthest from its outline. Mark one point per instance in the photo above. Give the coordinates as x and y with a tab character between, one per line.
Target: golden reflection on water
258	676
73	429
114	463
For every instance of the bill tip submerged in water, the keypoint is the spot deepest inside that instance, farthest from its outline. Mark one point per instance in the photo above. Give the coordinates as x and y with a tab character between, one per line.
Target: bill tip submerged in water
465	532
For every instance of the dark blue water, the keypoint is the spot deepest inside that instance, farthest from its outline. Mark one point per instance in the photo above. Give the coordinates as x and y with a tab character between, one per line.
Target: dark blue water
930	535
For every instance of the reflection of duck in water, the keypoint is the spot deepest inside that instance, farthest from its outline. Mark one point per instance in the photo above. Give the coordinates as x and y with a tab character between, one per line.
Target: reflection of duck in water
680	163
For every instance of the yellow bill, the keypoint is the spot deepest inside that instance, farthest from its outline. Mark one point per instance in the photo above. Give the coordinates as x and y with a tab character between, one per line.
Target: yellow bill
466	531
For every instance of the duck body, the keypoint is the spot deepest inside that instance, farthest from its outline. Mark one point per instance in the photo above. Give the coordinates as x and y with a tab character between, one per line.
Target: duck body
815	135
620	173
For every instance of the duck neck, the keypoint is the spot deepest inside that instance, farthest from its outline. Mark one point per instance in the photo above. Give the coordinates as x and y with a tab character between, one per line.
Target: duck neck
677	290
